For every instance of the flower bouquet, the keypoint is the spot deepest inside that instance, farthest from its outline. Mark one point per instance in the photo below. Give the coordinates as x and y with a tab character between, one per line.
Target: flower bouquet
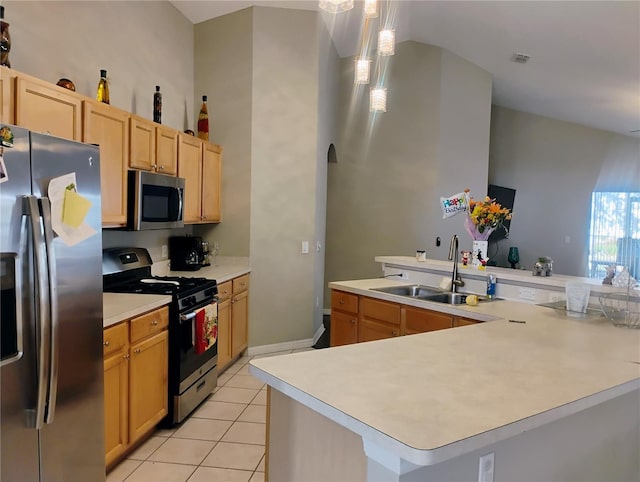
483	218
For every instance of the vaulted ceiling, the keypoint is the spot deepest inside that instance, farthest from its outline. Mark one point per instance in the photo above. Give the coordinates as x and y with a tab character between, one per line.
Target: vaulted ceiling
585	55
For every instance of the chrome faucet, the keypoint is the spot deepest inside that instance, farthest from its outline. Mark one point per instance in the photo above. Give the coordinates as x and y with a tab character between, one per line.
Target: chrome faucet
453	256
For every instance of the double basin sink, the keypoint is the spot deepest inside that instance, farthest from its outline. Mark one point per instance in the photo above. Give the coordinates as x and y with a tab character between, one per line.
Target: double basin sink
430	294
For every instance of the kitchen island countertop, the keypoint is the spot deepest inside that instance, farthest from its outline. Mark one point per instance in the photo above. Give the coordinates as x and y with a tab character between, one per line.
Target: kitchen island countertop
442	394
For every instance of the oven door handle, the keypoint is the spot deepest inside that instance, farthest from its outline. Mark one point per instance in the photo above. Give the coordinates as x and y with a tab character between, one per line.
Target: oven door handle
187	317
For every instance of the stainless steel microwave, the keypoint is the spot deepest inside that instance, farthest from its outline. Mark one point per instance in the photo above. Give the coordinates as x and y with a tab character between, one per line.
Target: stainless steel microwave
156	201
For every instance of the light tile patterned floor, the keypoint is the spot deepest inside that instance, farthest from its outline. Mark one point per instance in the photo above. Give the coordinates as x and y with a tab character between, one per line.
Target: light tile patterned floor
222	441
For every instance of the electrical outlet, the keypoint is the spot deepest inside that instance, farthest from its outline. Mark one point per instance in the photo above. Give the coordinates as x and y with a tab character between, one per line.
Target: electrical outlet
486	468
527	294
165	251
555	297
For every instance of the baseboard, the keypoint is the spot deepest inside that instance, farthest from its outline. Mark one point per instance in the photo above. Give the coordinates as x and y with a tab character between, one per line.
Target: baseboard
284	346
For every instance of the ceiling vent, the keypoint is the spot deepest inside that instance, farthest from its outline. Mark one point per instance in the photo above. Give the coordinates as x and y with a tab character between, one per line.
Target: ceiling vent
521	58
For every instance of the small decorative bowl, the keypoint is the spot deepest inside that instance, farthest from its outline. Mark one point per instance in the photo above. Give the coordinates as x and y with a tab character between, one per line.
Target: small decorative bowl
190	132
67	84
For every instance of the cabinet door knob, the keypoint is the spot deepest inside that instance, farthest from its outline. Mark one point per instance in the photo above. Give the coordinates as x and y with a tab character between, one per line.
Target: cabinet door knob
394	332
127	356
154	322
107	343
137	350
341	302
353	321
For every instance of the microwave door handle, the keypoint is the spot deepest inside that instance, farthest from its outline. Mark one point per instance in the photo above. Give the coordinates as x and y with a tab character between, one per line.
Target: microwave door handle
45	206
43	333
180	215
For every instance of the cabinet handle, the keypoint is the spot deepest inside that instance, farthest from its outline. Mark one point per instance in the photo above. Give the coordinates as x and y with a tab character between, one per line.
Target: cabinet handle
162	167
394	332
154	322
137	350
155	167
127	356
107	343
353	321
341	302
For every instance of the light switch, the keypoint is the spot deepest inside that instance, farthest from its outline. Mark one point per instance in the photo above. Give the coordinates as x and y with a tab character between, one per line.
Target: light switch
305	247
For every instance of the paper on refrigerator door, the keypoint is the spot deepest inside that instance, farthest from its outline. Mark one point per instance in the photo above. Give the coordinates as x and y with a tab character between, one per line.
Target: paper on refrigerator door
68	210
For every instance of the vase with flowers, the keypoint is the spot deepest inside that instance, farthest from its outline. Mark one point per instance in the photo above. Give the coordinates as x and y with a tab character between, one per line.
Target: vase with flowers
483	218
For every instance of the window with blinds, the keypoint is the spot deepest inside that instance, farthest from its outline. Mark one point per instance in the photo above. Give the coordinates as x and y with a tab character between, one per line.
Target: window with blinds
614	236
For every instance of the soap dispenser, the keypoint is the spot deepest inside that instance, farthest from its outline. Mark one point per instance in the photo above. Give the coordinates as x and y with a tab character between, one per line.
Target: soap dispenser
491	286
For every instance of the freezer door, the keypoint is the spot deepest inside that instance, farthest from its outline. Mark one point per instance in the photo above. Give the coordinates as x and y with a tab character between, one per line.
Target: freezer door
18	439
72	439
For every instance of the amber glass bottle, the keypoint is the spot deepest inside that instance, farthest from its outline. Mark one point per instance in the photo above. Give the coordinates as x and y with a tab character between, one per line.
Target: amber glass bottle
103	88
203	120
157	106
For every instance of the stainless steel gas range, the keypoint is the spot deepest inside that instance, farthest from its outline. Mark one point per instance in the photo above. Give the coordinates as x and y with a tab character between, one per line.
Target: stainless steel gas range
193	349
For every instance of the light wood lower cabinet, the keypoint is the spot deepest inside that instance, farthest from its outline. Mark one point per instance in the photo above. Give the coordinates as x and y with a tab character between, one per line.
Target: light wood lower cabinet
224	324
135	380
239	315
418	320
233	320
344	318
378	319
357	319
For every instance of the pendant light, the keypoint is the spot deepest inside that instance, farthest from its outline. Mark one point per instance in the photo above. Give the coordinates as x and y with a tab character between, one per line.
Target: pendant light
362	69
370	8
386	42
378	99
335	6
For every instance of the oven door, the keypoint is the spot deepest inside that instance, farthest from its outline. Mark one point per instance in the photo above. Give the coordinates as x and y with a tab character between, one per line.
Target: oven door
197	343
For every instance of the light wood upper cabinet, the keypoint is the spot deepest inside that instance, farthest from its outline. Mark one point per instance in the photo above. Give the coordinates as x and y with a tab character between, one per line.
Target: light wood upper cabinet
109	128
211	183
44	107
6	97
166	151
143	144
190	168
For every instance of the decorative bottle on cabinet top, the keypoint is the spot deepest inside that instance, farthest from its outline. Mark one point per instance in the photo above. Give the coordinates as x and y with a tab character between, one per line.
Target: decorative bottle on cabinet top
103	88
157	106
203	120
5	40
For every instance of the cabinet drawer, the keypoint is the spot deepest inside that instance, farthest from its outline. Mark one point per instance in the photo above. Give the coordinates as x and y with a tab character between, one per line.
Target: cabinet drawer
152	322
369	330
224	291
344	302
241	283
380	310
419	321
114	338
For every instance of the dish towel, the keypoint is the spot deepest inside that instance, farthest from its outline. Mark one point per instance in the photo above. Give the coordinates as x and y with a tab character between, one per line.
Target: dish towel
206	327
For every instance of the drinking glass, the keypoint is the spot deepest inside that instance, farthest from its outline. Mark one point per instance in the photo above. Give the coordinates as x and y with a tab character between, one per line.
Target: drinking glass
514	256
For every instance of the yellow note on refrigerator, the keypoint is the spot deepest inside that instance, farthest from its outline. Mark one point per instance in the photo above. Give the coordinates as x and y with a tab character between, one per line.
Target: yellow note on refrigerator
74	209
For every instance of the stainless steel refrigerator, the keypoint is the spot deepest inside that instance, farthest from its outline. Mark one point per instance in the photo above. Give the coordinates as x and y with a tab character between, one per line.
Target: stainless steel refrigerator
51	370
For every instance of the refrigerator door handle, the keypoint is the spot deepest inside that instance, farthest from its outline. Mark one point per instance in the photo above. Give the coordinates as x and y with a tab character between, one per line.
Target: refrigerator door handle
43	305
45	209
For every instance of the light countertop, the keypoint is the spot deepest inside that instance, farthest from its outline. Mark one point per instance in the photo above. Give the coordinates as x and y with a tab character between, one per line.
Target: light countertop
119	307
433	396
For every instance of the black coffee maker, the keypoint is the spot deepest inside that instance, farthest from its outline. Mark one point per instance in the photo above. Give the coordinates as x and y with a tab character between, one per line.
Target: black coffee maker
185	253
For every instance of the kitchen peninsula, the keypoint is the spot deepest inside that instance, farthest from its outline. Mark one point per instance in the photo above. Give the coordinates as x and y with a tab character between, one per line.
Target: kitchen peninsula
551	397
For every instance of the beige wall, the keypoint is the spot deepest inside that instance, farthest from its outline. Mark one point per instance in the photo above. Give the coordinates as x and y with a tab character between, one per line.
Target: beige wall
392	168
223	72
554	167
140	44
261	67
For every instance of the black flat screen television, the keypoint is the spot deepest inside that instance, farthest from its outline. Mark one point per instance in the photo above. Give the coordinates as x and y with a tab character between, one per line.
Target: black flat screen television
505	197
